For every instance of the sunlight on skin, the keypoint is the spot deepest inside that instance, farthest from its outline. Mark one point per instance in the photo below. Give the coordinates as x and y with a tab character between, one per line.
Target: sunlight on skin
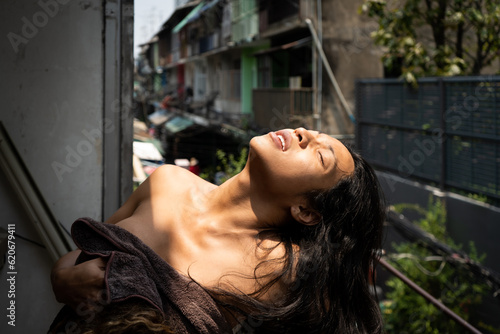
207	230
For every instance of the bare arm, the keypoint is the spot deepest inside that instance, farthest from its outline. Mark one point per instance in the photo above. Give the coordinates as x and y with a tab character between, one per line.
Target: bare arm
128	208
78	285
160	179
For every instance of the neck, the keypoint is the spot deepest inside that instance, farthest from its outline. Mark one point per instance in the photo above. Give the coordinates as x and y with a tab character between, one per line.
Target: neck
237	206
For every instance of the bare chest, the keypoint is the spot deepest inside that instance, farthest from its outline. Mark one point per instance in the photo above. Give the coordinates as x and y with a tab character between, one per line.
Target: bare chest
190	251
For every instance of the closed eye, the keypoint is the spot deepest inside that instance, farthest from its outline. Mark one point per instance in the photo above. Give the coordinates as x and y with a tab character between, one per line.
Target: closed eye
321	158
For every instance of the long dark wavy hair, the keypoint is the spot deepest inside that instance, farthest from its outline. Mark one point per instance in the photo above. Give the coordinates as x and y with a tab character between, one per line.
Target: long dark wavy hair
330	289
132	316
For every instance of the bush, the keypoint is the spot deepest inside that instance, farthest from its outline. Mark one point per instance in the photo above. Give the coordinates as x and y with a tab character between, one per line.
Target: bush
405	311
229	166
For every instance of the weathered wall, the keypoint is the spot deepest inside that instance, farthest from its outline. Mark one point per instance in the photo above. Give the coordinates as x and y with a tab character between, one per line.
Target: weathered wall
62	92
467	219
219	67
352	55
53	92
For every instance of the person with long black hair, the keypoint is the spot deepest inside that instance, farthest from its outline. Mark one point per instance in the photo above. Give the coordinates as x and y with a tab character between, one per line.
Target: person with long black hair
286	246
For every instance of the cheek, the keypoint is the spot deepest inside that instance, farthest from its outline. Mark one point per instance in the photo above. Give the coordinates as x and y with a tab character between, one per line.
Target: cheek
298	171
292	171
308	174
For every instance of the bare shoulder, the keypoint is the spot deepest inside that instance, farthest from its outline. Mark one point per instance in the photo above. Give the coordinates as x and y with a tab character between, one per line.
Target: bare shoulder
169	170
169	175
171	179
167	184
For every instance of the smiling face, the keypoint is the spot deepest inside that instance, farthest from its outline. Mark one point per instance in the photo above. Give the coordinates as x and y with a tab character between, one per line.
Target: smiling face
293	162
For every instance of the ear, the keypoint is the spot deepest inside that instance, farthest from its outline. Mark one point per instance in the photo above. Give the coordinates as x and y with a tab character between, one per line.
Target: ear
305	215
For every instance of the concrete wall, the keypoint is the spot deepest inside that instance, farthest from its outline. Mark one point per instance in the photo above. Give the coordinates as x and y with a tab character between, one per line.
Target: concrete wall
351	53
53	91
467	219
219	66
34	306
63	91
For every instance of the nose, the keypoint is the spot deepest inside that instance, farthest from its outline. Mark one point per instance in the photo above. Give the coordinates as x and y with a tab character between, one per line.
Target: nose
306	137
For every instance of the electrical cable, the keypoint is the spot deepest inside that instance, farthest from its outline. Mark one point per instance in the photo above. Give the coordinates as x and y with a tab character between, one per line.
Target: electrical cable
65	229
416	259
454	257
29	240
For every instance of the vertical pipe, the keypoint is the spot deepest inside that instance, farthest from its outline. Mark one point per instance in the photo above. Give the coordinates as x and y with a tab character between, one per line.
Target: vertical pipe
111	108
314	101
127	87
330	72
442	94
320	65
33	203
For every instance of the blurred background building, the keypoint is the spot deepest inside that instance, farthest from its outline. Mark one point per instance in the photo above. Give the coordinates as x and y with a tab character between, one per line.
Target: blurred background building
215	73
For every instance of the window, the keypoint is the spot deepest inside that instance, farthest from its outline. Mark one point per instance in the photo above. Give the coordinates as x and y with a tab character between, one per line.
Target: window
264	71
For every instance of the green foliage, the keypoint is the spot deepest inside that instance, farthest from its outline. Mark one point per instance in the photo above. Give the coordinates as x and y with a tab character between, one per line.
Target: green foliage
229	165
434	217
408	312
208	173
478	197
435	37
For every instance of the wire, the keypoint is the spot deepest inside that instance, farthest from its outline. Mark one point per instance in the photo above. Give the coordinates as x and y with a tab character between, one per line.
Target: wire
416	260
29	240
64	229
453	256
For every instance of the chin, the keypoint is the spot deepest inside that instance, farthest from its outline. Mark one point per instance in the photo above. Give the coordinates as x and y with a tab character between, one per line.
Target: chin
261	153
259	144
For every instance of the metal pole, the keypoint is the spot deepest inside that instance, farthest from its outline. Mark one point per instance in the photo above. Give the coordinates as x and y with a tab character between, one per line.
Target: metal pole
429	297
442	106
330	72
315	113
319	14
34	205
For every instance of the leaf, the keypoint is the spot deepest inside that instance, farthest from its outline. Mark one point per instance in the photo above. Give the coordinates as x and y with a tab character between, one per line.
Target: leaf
454	70
399	22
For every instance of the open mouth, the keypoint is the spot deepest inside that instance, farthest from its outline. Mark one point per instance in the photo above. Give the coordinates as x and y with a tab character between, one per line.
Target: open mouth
280	137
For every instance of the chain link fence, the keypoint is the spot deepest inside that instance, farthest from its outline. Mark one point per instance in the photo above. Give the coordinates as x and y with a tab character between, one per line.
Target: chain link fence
446	131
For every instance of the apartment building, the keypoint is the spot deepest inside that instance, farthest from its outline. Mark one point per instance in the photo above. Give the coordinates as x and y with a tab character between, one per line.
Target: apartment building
272	64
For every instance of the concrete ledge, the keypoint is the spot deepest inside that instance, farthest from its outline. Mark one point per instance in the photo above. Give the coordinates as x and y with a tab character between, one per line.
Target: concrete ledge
468	219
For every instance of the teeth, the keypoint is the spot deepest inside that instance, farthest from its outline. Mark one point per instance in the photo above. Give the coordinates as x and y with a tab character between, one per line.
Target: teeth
282	142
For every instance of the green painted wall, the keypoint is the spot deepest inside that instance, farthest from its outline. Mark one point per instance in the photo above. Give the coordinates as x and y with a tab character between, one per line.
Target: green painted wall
249	76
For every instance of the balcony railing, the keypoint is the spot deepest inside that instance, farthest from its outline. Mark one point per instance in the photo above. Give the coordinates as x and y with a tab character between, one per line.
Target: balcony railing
447	131
411	232
276	108
245	20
